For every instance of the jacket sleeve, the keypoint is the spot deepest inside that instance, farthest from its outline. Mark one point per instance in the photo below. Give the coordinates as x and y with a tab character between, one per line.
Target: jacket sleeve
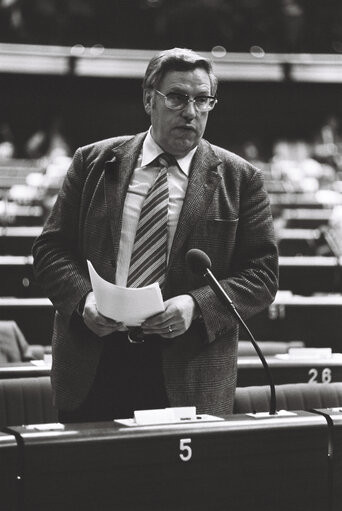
253	279
57	262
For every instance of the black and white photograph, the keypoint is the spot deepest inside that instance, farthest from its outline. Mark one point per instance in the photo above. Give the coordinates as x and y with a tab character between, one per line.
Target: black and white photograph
170	255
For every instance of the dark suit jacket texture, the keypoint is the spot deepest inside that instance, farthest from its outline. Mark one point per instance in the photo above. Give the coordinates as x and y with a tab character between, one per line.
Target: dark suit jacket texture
226	213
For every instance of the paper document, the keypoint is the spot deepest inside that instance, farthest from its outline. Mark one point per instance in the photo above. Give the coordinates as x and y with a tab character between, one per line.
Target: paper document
130	306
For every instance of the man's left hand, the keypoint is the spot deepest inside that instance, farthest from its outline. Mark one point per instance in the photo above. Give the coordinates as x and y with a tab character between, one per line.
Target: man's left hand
175	320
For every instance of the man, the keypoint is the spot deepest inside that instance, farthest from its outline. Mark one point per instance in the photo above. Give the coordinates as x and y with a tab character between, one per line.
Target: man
216	202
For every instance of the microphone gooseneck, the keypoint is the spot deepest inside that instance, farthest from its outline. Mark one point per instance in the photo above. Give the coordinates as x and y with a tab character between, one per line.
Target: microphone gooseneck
200	264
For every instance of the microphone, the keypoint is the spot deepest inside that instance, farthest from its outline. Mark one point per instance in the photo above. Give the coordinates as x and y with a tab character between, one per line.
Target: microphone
200	264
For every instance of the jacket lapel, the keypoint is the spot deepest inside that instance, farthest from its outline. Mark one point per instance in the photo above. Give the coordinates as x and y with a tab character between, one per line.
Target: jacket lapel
203	181
118	171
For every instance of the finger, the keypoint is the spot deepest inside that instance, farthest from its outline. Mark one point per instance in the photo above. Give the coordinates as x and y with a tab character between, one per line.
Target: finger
100	329
169	333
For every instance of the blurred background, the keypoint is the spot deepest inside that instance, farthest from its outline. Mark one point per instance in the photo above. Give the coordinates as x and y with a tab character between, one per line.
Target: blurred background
71	73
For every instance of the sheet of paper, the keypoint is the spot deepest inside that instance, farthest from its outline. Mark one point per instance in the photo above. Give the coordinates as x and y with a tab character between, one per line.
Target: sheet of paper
131	306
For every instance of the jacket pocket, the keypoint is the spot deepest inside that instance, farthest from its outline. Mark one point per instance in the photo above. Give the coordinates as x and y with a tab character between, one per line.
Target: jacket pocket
214	230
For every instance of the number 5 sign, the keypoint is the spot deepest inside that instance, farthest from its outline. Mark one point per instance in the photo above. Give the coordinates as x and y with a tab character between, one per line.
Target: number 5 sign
185	448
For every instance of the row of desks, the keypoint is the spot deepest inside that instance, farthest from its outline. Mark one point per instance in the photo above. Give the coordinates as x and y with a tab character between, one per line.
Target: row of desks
315	320
250	370
302	275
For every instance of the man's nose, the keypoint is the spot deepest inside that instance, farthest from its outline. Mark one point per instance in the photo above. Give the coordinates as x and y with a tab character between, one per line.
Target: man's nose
189	111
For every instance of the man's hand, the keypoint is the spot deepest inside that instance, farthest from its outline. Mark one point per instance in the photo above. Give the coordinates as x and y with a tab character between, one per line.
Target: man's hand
175	320
96	322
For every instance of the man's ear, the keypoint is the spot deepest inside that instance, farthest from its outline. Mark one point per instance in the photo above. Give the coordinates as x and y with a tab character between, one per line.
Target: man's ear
148	93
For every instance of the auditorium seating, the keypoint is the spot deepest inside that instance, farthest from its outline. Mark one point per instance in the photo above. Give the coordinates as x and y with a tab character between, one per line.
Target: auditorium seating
15	171
295	396
26	401
15	348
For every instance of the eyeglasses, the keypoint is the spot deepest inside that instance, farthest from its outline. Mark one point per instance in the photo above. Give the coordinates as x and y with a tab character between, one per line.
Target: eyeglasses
177	101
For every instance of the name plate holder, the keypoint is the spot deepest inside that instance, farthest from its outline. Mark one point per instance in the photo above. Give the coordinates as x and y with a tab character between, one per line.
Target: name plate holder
174	415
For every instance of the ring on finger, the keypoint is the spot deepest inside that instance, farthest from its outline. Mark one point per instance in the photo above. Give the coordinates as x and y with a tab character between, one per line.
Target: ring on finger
170	329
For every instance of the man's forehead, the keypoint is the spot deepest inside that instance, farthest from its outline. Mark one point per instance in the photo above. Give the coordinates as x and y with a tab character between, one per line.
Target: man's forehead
182	79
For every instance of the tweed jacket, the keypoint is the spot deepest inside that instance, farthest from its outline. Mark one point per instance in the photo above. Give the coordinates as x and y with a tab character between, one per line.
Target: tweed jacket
226	213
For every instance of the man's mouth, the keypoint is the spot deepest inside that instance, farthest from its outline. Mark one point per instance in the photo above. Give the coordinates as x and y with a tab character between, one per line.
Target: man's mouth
186	128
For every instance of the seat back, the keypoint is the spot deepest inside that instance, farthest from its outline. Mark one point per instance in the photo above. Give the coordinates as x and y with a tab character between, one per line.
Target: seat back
292	396
26	401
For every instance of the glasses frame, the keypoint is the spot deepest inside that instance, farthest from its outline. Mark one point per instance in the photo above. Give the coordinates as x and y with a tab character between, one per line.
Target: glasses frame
188	99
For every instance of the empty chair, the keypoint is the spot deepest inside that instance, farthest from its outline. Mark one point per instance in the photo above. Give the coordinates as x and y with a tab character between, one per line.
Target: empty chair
26	401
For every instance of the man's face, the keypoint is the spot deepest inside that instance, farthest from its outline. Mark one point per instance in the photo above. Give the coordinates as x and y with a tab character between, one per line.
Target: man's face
178	131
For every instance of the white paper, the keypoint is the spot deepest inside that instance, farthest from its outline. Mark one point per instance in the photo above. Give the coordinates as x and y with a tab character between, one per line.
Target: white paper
130	306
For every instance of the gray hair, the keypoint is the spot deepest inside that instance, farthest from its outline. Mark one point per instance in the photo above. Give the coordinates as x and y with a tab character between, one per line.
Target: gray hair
176	59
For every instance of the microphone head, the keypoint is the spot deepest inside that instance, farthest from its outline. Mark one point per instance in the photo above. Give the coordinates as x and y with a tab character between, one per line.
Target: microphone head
198	261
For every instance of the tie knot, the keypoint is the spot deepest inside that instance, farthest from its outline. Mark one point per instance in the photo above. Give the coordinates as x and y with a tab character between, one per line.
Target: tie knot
166	160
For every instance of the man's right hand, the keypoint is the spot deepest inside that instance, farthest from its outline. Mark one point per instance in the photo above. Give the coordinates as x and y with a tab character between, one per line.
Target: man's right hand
96	322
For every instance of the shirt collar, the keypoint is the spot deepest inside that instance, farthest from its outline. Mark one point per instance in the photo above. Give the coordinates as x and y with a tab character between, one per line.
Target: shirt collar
151	150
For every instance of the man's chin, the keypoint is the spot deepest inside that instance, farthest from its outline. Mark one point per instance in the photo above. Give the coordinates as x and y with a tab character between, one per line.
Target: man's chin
185	144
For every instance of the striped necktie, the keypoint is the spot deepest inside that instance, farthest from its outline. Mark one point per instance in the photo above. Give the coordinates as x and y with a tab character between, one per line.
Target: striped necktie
148	260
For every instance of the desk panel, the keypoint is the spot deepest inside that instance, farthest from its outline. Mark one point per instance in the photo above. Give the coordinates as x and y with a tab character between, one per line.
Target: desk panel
315	320
310	274
241	463
8	472
34	317
17	277
286	370
306	218
18	241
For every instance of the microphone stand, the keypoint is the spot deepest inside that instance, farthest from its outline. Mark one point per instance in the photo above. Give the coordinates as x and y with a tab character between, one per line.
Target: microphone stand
225	300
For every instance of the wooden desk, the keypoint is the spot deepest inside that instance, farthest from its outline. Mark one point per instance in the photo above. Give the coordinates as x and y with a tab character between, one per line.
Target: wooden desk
315	320
8	471
307	275
17	278
287	370
306	218
250	370
278	463
299	242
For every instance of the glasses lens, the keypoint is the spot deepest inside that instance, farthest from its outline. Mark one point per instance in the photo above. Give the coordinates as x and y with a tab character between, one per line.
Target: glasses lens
202	103
205	103
176	101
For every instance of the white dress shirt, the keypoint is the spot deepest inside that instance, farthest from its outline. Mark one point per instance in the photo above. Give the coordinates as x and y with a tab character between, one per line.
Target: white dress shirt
141	181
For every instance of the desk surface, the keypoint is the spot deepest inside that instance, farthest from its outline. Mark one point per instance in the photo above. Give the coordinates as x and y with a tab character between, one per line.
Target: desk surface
250	370
25	369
